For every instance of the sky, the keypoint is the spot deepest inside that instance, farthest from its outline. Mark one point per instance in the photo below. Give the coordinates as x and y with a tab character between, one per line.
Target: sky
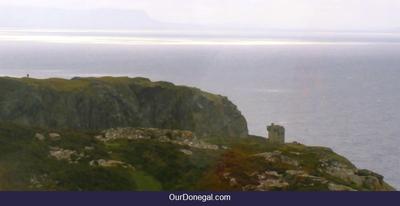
316	15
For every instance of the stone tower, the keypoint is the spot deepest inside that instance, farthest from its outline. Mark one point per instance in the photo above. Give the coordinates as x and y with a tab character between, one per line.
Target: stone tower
276	134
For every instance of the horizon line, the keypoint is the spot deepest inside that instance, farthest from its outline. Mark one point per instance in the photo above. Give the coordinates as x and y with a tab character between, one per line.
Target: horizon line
138	40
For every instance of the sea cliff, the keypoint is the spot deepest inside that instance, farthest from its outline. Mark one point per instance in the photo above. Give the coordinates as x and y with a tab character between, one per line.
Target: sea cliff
101	103
90	134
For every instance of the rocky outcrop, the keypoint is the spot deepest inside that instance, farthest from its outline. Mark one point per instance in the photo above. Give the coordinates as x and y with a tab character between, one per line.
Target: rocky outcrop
70	156
102	103
164	159
178	137
110	163
296	167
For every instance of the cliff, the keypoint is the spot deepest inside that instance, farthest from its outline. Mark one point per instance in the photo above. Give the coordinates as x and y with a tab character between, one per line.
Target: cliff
101	103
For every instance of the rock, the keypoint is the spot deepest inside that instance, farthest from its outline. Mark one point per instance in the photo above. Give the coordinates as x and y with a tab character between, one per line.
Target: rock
35	182
232	182
277	157
337	187
272	174
365	179
62	154
224	147
54	136
364	172
271	184
100	138
296	172
186	152
179	137
298	167
311	180
266	181
110	163
270	156
372	182
289	161
70	156
40	137
344	172
41	182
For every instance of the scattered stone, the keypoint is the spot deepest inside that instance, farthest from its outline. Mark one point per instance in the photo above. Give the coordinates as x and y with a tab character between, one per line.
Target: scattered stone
266	181
349	173
64	154
35	182
226	175
371	182
179	137
295	153
336	187
342	171
267	175
270	184
276	156
61	154
110	163
40	137
232	182
186	152
100	137
364	172
267	185
54	136
40	181
313	180
272	174
295	172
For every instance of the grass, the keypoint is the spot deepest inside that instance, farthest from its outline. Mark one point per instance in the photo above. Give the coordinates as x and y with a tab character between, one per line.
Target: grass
158	166
145	182
57	84
80	83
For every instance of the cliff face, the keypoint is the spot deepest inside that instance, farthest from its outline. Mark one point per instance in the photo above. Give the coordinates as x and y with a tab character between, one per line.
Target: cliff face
101	103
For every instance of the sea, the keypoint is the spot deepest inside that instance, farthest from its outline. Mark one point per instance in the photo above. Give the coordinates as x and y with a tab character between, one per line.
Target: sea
339	94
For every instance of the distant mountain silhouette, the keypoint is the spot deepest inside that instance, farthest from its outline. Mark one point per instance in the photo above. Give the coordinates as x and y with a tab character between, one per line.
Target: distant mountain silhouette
44	18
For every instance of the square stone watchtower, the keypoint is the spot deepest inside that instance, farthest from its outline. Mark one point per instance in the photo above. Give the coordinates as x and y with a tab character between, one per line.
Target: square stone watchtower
276	134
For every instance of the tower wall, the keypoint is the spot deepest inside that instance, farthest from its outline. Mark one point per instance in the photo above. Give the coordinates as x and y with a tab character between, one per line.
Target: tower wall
276	134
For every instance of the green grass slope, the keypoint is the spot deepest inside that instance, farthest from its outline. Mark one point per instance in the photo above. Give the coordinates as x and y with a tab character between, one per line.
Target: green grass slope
67	160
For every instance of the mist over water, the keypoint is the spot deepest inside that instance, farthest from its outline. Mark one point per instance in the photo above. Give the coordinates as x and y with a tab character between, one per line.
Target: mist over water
341	96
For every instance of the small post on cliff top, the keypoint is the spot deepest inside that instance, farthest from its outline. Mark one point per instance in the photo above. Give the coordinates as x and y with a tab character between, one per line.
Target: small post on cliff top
276	134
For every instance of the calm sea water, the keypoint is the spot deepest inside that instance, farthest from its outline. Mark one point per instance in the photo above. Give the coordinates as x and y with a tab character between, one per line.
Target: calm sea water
343	96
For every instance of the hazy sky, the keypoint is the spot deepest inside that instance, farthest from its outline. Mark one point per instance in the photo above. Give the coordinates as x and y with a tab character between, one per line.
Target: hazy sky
283	14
